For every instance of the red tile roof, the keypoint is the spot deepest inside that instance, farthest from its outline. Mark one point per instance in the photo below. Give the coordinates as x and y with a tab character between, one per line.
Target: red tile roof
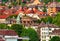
8	32
2	10
19	10
56	32
7	12
41	13
28	11
1	39
3	16
53	4
35	10
42	24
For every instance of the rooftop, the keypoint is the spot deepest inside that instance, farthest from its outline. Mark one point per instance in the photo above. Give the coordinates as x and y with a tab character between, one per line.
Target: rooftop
42	24
7	32
53	4
3	16
56	32
1	39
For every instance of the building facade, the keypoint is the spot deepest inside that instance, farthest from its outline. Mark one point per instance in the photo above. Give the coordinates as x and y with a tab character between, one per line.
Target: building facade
46	30
51	8
55	33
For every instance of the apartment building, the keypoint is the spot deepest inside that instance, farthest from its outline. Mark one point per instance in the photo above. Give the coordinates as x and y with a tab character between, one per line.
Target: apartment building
46	30
55	33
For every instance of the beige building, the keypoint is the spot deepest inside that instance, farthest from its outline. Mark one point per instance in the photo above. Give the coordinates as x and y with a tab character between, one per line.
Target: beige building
29	22
3	18
36	2
51	8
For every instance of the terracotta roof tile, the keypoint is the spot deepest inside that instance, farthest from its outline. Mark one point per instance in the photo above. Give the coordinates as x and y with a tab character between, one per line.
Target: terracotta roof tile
8	32
1	39
53	4
42	24
26	10
56	32
3	16
19	10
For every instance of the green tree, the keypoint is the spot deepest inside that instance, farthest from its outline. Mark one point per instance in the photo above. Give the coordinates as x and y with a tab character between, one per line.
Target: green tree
45	1
4	0
48	19
38	21
55	38
31	33
43	19
13	16
14	3
58	0
18	28
4	26
56	19
44	10
9	6
3	4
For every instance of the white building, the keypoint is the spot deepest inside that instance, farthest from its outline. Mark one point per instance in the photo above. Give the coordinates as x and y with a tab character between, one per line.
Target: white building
46	30
55	33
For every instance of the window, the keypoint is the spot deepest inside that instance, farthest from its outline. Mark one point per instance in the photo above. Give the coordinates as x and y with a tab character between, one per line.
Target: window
28	21
42	29
42	32
49	28
24	21
46	32
44	37
50	36
46	29
49	32
43	40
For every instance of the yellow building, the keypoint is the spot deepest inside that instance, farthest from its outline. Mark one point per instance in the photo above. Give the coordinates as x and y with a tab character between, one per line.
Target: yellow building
36	2
52	8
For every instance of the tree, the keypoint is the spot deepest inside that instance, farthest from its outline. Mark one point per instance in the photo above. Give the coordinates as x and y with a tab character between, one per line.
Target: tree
58	0
14	3
13	16
3	26
9	6
18	28
43	19
44	10
56	19
4	0
2	4
48	19
55	38
31	33
38	21
45	1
